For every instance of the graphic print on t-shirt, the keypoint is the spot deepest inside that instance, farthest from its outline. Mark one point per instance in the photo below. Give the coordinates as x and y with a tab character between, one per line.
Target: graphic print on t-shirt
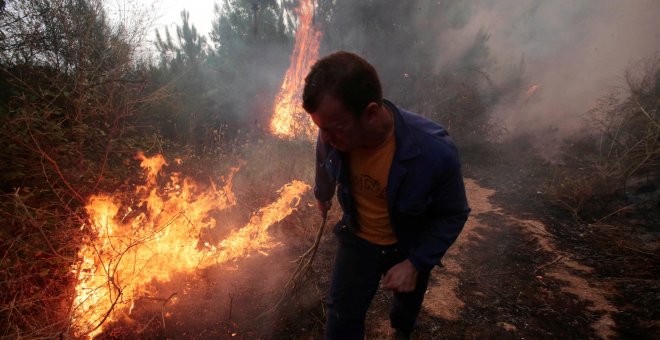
367	184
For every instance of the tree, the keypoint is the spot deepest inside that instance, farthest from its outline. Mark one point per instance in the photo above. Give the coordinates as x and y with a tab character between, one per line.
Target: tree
181	65
188	52
252	43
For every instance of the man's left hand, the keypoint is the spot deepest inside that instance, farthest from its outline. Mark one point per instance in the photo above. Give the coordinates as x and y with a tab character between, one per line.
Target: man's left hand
401	278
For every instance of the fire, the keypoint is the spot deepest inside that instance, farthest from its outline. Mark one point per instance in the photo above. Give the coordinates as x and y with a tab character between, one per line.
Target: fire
289	119
158	236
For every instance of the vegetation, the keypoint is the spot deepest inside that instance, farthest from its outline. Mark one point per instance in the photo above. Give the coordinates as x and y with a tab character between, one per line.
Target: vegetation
613	162
69	87
77	103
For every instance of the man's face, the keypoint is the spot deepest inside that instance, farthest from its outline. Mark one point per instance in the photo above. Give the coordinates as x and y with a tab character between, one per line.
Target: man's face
338	126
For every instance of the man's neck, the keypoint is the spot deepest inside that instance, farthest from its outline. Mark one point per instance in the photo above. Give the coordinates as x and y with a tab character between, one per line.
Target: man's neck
383	128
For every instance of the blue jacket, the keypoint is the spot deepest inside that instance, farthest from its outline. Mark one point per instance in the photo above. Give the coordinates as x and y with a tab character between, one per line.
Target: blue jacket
425	191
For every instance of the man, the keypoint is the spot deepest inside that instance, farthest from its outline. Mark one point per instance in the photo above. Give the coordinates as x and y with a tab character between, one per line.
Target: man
398	181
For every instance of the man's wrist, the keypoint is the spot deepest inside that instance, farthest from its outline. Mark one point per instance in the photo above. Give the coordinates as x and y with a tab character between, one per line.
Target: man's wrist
416	264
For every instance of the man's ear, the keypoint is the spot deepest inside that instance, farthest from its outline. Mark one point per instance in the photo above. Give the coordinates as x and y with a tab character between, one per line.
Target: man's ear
371	111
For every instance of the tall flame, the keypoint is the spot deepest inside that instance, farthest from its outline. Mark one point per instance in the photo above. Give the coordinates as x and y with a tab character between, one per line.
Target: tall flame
131	246
289	119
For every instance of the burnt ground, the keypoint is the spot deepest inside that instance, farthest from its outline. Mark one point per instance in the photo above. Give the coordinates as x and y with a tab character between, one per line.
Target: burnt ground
580	279
522	268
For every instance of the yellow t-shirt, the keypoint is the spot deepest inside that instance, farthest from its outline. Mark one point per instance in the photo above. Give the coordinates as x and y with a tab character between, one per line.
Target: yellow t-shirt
369	171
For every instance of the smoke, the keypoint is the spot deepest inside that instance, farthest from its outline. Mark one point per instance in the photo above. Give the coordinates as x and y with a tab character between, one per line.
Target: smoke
572	53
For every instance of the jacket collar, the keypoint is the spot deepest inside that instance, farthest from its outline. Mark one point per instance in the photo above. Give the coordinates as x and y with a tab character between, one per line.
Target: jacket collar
407	145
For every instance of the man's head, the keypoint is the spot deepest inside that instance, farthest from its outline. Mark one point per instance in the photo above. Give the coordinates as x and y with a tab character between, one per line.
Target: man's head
345	76
343	93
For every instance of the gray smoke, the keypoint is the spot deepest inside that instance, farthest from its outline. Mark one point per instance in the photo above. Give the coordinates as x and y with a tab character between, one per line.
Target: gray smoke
573	52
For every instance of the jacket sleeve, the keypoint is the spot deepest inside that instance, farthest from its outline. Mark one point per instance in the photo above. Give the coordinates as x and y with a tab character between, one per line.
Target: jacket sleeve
448	210
324	183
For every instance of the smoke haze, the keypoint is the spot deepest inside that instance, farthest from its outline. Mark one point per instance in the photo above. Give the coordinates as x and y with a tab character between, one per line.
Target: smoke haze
572	51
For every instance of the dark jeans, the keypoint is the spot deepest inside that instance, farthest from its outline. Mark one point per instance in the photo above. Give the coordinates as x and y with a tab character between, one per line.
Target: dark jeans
357	271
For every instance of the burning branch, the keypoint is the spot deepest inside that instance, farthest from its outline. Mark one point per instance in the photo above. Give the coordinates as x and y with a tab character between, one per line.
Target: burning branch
128	251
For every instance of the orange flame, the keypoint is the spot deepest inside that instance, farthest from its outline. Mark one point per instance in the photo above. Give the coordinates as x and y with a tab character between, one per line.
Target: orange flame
133	246
289	118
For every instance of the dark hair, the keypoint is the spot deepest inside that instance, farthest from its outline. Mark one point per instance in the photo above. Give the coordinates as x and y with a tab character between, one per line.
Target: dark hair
345	76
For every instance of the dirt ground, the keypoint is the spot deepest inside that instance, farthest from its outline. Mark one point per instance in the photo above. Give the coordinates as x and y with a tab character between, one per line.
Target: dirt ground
520	269
524	269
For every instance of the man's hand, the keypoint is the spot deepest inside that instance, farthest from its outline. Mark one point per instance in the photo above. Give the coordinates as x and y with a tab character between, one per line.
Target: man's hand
324	206
401	278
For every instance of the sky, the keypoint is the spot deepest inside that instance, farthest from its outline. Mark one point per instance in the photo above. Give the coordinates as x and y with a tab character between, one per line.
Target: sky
168	12
149	15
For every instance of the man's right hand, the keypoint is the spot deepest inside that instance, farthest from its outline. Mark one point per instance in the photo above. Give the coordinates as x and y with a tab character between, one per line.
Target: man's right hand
324	206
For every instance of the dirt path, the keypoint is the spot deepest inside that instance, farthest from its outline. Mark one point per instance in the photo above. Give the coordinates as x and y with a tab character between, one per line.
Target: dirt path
505	277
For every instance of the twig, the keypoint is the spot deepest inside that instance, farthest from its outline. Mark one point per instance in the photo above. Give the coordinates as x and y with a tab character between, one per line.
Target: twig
614	213
66	205
655	122
311	252
162	309
550	263
301	269
147	324
637	250
56	167
164	300
37	226
231	304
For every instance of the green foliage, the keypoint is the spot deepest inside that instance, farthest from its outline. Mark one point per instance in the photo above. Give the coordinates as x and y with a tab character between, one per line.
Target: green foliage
243	27
182	69
68	88
187	52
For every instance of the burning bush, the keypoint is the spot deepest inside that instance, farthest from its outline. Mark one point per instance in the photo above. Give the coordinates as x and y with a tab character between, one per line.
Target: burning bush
157	236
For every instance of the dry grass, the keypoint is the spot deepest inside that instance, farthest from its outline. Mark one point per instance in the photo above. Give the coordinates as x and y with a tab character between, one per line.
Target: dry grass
581	192
621	146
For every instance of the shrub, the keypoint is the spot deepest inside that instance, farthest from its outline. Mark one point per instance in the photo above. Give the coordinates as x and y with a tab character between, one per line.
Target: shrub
619	148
